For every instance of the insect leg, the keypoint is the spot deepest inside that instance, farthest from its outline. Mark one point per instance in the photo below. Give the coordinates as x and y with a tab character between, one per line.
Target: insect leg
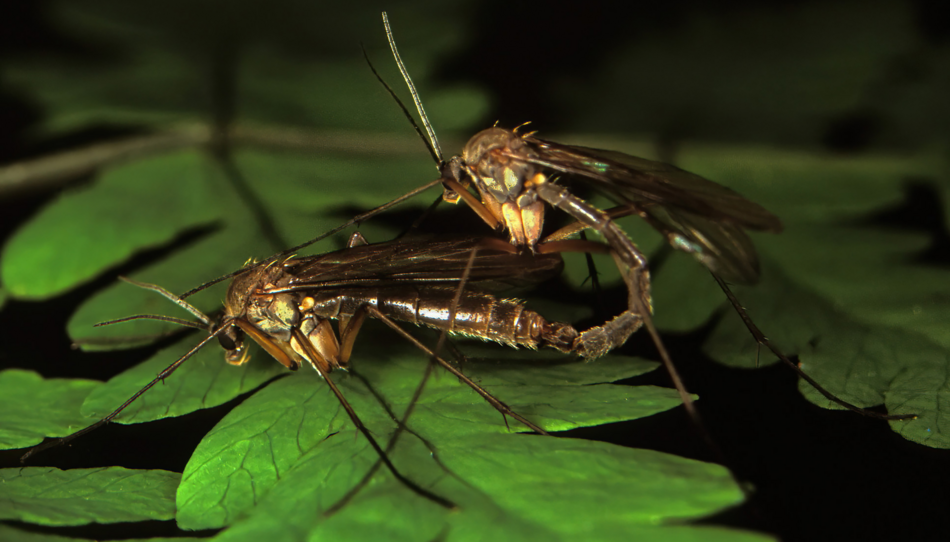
348	330
499	405
312	353
280	352
160	378
480	209
599	341
578	226
391	445
761	339
637	277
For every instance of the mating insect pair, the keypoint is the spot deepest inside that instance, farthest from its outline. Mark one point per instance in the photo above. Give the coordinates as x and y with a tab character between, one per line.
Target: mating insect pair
279	306
286	306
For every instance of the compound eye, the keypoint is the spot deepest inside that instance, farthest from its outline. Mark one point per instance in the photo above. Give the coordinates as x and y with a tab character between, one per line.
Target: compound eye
231	339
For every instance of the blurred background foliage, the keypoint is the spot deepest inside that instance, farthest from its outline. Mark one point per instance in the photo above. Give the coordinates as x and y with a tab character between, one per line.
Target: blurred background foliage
831	114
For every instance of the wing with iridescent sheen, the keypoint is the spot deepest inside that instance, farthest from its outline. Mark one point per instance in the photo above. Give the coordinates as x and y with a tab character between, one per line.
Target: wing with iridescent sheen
634	179
721	246
696	214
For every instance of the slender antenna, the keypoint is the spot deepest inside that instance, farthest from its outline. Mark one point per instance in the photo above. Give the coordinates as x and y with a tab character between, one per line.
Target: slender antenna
412	90
179	321
209	325
436	155
173	298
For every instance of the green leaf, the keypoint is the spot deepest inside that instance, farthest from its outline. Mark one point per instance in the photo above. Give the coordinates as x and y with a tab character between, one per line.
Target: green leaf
292	438
829	292
866	365
130	208
503	501
11	534
845	297
204	381
264	438
300	192
49	496
24	424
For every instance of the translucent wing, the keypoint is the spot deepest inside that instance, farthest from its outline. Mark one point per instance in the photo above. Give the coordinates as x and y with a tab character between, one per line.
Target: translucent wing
721	246
696	214
438	261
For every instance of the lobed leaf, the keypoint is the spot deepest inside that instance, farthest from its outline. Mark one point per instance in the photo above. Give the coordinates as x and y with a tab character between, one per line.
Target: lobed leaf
49	496
293	439
33	408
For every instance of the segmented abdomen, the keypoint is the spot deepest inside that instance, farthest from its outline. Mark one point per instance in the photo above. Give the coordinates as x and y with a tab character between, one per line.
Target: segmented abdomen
477	315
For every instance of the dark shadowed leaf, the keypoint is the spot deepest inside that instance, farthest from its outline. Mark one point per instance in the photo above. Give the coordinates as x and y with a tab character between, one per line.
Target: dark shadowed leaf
697	76
865	321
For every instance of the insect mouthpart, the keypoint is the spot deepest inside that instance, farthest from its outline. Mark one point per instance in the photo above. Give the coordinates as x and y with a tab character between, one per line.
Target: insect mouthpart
235	349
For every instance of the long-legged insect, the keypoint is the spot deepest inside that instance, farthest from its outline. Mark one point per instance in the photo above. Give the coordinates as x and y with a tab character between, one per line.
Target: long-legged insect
286	307
515	174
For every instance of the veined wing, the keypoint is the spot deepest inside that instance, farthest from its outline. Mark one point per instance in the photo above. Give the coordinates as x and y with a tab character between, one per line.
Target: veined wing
633	179
721	246
695	214
431	261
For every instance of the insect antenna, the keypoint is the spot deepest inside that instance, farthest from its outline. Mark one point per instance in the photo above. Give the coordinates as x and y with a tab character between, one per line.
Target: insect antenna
434	152
635	265
636	277
762	340
205	324
434	147
214	333
161	318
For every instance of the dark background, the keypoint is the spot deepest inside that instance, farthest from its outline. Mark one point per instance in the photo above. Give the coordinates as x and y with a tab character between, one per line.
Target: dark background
816	474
